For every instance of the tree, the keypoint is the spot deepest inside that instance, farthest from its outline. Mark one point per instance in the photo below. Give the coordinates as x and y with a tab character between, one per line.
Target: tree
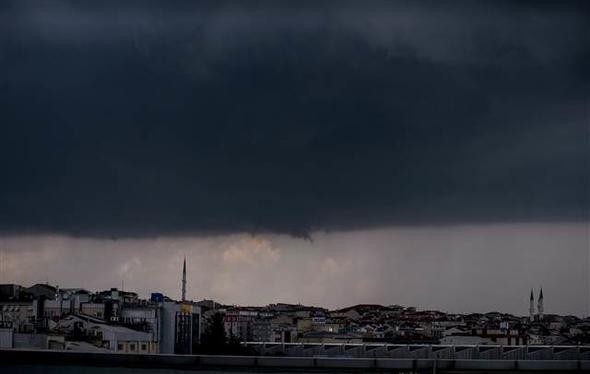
214	336
216	341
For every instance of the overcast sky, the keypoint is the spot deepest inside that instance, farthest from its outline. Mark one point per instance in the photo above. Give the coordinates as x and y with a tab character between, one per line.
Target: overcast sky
448	142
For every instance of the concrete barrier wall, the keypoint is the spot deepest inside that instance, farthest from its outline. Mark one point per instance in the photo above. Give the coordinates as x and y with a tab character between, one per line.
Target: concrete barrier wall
247	363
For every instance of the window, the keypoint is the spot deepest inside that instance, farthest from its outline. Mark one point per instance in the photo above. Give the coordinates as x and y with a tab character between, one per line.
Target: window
132	347
144	347
120	347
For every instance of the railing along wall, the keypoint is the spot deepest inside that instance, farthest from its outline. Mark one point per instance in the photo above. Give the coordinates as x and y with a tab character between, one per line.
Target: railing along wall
419	351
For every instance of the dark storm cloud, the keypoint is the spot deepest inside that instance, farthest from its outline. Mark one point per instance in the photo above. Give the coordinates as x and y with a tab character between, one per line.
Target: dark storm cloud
141	118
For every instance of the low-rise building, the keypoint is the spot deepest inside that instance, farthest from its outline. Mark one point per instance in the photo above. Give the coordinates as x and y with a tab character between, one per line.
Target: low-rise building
262	330
20	314
283	334
124	340
96	310
240	324
180	327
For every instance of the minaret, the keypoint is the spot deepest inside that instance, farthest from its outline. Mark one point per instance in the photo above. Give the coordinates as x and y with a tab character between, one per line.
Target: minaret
532	307
540	308
184	280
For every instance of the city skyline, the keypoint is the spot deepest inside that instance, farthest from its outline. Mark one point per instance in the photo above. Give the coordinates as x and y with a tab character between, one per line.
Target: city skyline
332	153
536	313
278	186
263	269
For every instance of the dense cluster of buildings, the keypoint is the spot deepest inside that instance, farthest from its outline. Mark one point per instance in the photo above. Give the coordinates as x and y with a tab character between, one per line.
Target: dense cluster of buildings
403	325
47	317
